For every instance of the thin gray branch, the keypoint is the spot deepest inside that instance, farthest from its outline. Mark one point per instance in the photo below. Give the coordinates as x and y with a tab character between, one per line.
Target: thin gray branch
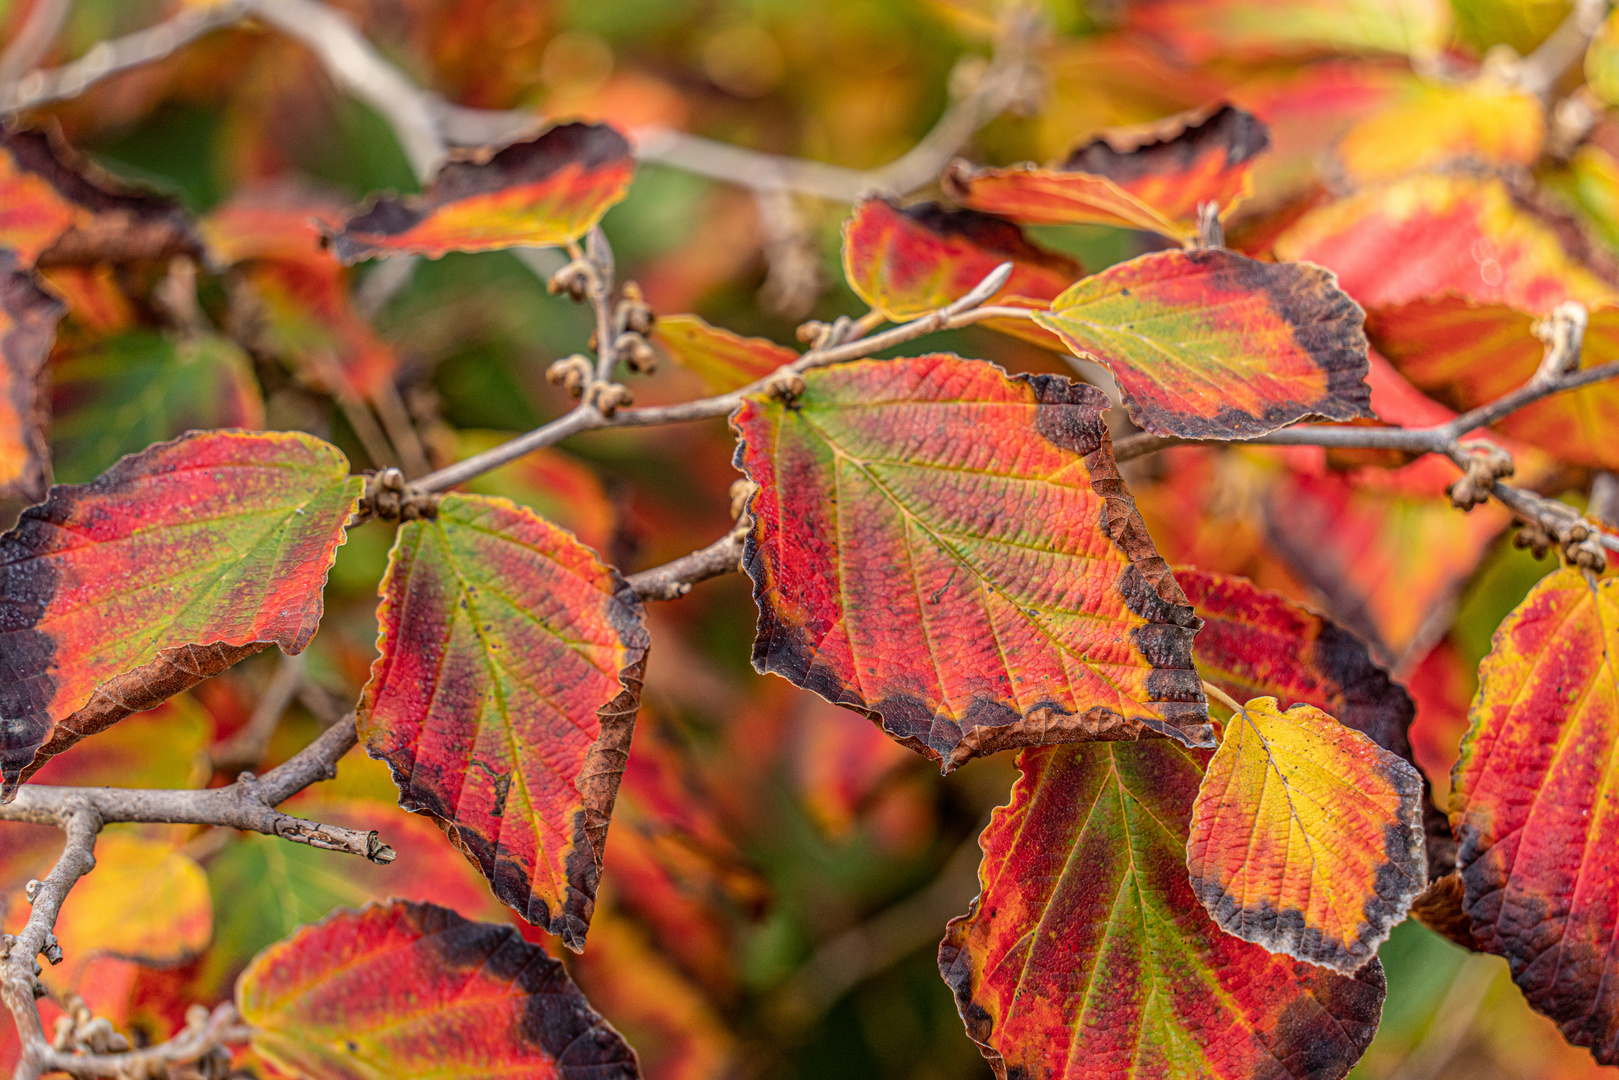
34	38
675	579
587	418
1563	48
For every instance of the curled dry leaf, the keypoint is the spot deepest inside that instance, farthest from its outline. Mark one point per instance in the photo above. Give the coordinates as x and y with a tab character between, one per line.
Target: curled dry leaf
505	696
1306	836
58	209
168	568
28	319
1533	800
416	991
904	262
950	551
1210	344
1087	957
1152	177
725	361
543	191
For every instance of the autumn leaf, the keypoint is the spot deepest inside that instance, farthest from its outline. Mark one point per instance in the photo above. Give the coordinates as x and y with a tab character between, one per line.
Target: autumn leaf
1306	836
126	392
560	488
1435	124
1602	60
412	991
544	191
56	208
904	262
1213	345
1466	354
1086	955
892	579
145	900
1201	30
505	696
264	888
1153	177
723	360
1532	799
28	319
171	566
1426	235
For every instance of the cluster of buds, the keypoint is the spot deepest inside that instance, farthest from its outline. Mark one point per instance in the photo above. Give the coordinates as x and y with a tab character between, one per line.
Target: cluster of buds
576	280
1486	463
389	497
79	1030
573	373
633	320
821	335
1561	525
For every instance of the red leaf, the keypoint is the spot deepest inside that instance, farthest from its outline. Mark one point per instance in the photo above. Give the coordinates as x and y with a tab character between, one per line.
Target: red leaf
56	209
906	262
1432	234
951	552
1532	803
415	991
28	319
1152	177
505	696
174	564
547	190
1210	344
1086	954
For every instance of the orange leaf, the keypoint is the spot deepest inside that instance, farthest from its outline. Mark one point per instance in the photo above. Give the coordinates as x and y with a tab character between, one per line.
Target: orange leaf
1306	836
547	190
725	361
1210	344
145	900
1151	177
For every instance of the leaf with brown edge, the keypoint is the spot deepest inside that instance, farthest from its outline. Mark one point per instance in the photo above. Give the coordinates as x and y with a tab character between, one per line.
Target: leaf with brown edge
904	262
415	991
1306	836
725	361
1152	176
1087	957
56	208
1466	353
505	696
1533	803
168	568
1256	643
1209	344
544	191
28	320
951	552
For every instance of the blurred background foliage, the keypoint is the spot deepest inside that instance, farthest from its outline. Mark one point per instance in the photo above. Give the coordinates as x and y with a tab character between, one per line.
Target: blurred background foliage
780	873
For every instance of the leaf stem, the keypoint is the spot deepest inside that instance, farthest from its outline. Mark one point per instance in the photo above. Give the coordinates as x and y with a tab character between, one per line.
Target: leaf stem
1223	698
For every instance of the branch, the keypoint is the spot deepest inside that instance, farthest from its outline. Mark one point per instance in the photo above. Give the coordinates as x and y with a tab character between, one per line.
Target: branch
427	125
675	579
588	418
1565	46
33	40
1483	464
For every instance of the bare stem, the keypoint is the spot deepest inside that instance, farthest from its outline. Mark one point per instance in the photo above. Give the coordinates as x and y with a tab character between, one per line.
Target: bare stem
588	418
675	579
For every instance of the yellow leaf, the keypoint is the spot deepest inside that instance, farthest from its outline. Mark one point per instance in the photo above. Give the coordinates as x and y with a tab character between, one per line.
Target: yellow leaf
1306	836
145	900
